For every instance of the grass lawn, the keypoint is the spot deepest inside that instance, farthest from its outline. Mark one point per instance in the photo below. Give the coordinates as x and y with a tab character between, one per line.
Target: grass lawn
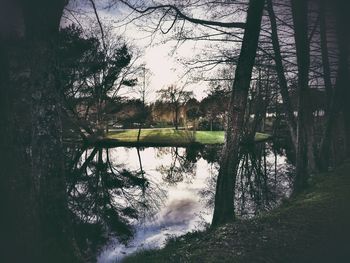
171	136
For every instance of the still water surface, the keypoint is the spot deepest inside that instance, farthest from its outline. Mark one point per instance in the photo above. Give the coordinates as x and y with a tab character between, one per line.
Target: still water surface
181	208
181	190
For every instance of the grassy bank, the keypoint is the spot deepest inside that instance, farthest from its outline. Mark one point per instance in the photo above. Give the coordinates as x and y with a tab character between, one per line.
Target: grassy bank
312	227
171	136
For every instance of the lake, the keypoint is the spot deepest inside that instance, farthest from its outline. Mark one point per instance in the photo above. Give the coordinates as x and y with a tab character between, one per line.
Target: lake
159	193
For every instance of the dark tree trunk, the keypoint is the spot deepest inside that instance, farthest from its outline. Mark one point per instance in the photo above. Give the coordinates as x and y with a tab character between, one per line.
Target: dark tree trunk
139	132
225	187
324	54
38	224
339	101
331	119
176	119
288	109
300	11
331	108
343	80
259	110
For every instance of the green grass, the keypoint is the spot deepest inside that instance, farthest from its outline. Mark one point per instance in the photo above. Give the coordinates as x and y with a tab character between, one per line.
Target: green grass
171	136
311	227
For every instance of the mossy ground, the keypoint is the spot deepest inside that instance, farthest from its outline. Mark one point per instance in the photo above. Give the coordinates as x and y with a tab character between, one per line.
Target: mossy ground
172	136
311	227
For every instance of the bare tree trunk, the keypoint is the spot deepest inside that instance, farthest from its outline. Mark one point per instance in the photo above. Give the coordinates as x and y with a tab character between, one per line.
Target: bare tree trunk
176	120
225	187
300	10
343	39
259	110
331	119
288	109
331	107
324	54
339	101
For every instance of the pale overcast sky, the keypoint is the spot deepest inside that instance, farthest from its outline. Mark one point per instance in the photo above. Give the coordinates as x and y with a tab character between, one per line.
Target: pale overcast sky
156	49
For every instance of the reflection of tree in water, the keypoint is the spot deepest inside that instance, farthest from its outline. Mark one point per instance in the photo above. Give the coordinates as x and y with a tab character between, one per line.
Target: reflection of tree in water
105	198
153	195
181	166
261	183
211	153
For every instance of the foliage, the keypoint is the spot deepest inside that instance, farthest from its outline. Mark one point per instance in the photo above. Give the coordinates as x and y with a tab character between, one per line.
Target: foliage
175	97
104	199
91	76
128	113
212	111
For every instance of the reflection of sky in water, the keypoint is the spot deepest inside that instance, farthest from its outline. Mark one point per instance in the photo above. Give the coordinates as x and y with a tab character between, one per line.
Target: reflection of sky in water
182	209
182	206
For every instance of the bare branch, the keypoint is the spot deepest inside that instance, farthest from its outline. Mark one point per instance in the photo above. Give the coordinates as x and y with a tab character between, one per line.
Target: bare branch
99	24
185	17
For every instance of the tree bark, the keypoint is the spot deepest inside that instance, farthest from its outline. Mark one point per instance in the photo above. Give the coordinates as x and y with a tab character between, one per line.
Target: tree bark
343	80
36	212
225	187
300	11
325	55
331	108
288	109
176	118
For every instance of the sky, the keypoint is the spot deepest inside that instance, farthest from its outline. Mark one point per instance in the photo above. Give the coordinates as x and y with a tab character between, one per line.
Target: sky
157	50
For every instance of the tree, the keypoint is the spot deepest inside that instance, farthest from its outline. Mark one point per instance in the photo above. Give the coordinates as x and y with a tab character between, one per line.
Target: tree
176	98
36	216
224	210
300	11
192	113
93	75
343	40
129	112
142	88
143	91
104	198
225	188
281	74
214	106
